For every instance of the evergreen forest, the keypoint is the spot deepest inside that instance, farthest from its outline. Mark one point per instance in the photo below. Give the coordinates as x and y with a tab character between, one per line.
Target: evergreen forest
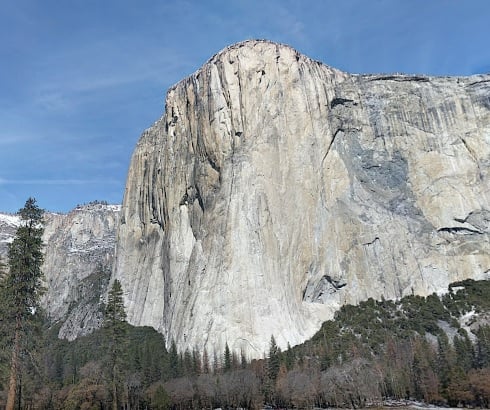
371	354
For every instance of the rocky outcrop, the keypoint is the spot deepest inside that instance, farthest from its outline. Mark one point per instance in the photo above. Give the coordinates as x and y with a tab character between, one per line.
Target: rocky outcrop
8	226
79	252
274	189
78	265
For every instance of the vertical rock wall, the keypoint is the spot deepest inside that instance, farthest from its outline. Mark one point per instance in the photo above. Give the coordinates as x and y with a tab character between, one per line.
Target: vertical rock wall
79	257
275	188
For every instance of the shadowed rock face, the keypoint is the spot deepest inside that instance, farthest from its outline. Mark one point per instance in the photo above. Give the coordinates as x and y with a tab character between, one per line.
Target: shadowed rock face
78	259
274	189
77	266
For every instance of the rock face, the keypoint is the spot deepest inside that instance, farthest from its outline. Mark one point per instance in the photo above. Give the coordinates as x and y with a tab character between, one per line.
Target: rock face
79	252
8	226
274	189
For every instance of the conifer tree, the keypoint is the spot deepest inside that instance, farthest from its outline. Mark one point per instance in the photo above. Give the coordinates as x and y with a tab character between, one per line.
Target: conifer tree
274	361
21	287
444	359
115	316
464	350
196	361
227	358
187	362
216	363
243	360
205	362
482	358
174	360
289	358
273	364
5	328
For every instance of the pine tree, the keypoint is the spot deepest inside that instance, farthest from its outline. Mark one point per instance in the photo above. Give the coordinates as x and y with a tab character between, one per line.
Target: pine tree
114	311
289	358
115	316
216	363
273	365
445	361
227	358
21	287
243	360
187	362
464	350
196	361
274	361
5	328
174	360
205	362
482	353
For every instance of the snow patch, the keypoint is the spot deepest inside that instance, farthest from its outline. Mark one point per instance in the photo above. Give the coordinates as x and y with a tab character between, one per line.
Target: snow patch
467	316
10	219
466	321
457	288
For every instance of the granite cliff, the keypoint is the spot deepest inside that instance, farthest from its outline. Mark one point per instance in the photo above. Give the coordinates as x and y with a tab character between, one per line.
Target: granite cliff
275	189
79	252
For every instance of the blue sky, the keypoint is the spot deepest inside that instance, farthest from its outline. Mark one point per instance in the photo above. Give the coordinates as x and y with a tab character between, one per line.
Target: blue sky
81	79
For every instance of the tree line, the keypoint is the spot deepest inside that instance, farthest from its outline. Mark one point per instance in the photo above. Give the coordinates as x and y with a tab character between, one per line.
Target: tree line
411	349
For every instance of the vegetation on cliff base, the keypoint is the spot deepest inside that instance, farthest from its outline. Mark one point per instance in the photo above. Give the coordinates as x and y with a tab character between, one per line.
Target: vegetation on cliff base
414	348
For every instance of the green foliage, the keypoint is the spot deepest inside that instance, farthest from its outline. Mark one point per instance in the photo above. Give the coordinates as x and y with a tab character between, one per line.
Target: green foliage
274	360
466	296
175	362
395	349
114	312
463	348
20	292
289	357
160	399
205	362
114	323
145	362
22	288
227	358
482	354
187	362
196	362
407	339
363	328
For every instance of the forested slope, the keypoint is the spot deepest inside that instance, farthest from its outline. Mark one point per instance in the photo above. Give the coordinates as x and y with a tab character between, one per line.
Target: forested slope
434	349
